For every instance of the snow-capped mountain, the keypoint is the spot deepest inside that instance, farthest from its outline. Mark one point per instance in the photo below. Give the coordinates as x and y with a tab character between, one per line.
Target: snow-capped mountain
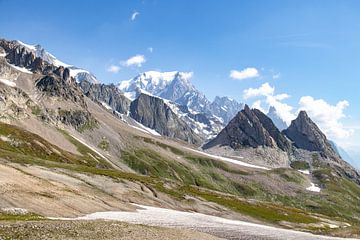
225	108
184	99
205	125
152	82
279	123
78	73
176	86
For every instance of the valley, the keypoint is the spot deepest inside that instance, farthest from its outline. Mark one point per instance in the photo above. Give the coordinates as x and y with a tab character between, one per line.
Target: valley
71	148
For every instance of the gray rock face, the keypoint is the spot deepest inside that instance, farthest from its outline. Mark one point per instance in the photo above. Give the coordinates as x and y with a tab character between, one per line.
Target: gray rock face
306	135
55	86
108	94
279	123
225	108
250	128
20	56
152	112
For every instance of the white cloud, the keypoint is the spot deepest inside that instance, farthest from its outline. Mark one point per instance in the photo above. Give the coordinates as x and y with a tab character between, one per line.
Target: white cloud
257	105
113	69
327	116
150	49
134	15
137	60
263	90
268	92
244	74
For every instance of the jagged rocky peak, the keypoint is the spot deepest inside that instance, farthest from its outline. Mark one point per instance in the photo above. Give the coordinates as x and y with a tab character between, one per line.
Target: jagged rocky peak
225	108
154	113
250	128
305	134
152	82
279	123
37	59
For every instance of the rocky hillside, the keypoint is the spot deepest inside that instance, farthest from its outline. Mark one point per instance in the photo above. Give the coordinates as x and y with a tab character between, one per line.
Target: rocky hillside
154	113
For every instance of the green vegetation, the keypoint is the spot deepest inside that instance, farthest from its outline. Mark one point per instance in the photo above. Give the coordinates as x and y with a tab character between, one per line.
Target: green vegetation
197	176
16	144
88	125
20	217
265	211
300	165
104	145
288	175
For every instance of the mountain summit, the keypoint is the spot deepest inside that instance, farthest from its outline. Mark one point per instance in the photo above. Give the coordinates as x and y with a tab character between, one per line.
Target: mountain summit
306	135
250	128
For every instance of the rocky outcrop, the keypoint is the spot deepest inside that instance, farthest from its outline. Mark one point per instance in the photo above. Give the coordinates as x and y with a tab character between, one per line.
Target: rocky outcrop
55	86
108	94
306	135
154	113
21	56
80	120
250	128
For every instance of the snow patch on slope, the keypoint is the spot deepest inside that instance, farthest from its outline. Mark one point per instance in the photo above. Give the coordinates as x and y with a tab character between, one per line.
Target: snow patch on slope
21	69
146	129
306	172
313	188
8	82
228	159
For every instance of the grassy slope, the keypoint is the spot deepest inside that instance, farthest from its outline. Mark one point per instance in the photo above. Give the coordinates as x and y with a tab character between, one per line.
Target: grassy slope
200	177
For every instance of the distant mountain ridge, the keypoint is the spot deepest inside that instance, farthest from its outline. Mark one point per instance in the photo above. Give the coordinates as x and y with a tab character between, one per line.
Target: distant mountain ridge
176	87
78	73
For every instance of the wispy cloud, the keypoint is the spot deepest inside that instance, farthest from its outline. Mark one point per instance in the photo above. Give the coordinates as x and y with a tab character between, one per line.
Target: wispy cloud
113	69
136	60
305	44
246	73
134	15
150	49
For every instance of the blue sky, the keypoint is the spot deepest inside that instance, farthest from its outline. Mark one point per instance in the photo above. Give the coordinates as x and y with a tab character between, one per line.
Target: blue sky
301	48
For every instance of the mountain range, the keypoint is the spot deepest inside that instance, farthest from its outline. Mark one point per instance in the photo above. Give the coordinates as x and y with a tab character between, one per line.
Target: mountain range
70	145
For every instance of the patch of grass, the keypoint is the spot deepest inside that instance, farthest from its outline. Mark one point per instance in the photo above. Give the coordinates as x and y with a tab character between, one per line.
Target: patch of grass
210	163
300	165
264	211
288	174
20	217
17	142
104	145
88	125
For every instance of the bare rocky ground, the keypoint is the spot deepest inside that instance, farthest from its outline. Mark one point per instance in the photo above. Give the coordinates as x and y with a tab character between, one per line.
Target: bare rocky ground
81	230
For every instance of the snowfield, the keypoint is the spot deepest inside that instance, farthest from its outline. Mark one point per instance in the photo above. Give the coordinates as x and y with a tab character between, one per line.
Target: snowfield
222	227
